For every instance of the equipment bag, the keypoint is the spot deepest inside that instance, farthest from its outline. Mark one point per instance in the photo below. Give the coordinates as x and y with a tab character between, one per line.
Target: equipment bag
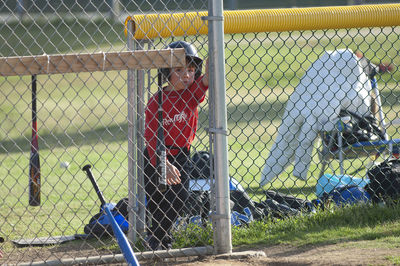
359	128
291	201
241	201
328	182
197	207
280	205
99	225
384	182
347	195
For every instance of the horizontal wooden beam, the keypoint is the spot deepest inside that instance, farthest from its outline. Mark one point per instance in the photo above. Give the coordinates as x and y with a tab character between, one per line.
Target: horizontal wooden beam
75	63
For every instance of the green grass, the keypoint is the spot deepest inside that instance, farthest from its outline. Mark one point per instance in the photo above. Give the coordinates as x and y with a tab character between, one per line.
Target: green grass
59	36
355	223
395	260
335	226
82	118
67	195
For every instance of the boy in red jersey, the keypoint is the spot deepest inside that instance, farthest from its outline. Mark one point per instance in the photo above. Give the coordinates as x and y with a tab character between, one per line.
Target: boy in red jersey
185	90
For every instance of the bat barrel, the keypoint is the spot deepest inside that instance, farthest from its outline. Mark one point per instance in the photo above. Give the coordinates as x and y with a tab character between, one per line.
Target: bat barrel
34	160
123	242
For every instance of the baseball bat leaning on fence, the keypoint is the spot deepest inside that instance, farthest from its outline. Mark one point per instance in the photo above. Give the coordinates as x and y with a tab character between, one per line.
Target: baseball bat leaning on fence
161	150
123	242
34	162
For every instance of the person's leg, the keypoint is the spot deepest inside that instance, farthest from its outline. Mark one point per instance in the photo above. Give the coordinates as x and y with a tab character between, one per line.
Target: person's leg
154	199
175	198
165	207
170	206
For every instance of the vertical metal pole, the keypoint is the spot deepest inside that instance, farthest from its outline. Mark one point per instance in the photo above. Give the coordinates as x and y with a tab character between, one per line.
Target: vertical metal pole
340	144
381	115
20	8
115	9
222	236
132	140
141	221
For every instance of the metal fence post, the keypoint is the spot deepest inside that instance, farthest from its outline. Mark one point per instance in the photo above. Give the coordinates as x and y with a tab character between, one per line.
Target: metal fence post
132	139
141	211
222	237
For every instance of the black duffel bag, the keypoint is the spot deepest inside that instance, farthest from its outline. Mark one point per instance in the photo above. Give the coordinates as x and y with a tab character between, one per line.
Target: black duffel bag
384	185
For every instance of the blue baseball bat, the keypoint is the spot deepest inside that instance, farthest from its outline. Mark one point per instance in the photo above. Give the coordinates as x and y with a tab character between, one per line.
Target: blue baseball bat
123	242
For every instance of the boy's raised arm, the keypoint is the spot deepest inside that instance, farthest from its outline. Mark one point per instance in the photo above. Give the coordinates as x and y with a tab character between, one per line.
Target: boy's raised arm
205	76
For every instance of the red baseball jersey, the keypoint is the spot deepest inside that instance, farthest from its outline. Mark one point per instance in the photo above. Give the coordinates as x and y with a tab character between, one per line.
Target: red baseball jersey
180	117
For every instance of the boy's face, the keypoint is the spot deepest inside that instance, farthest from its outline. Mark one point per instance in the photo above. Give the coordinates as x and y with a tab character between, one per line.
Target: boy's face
181	77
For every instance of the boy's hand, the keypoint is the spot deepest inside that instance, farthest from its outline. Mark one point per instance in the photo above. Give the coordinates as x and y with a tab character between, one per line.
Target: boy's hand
173	174
205	76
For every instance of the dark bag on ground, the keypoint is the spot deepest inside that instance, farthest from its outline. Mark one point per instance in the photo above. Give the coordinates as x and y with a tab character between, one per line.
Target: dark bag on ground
242	200
359	128
99	225
280	205
277	205
198	207
384	182
291	201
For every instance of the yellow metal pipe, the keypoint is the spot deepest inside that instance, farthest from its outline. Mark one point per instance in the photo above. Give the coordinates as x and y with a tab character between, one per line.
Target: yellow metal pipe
267	20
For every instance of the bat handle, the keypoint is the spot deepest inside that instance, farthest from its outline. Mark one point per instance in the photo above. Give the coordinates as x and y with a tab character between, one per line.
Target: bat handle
86	168
162	182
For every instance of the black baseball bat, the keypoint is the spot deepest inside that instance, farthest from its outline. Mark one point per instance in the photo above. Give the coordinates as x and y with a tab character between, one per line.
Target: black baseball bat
123	242
89	174
34	161
161	150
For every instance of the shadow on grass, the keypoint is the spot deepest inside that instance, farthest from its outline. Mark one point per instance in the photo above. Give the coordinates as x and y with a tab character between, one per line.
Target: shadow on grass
263	113
102	135
59	36
113	133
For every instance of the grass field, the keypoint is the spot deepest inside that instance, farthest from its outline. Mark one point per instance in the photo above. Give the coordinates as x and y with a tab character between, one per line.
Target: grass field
82	117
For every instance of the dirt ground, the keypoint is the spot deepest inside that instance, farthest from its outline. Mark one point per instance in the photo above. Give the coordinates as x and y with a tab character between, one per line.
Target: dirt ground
351	253
348	253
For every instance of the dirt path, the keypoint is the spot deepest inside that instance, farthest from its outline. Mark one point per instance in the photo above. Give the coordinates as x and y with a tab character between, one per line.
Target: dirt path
348	253
351	253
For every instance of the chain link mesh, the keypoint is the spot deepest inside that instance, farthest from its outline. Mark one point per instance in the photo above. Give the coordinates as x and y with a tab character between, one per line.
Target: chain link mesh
82	119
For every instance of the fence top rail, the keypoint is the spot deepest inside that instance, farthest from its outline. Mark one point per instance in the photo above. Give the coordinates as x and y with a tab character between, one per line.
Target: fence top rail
151	26
74	63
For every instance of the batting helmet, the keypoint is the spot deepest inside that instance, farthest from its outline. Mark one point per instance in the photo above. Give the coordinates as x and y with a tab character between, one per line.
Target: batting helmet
191	55
201	163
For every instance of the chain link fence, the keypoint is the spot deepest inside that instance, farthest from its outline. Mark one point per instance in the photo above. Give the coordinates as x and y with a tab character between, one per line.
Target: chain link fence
82	118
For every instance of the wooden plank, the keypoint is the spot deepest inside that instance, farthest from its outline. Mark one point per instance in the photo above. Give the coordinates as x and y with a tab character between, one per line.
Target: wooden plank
75	63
